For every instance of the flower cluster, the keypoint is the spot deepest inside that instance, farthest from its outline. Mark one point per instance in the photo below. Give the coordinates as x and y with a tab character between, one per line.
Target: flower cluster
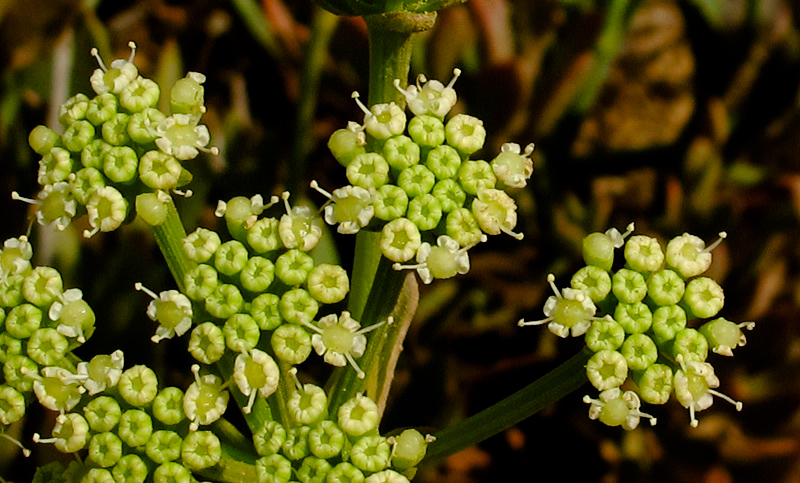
647	323
417	181
116	145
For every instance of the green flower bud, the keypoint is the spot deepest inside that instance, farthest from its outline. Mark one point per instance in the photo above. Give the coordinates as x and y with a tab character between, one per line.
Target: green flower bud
358	415
12	405
655	384
42	139
512	168
187	95
135	428
153	207
328	283
73	109
426	131
269	438
172	472
120	164
703	297
115	130
130	469
102	413
345	473
592	280
299	227
667	321
400	240
368	170
19	372
139	94
85	183
105	449
308	404
143	126
200	282
9	346
689	255
101	108
408	449
634	318
273	469
639	351
382	121
257	274
201	245
643	253
449	194
345	144
723	335
390	202
326	440
42	286
475	175
200	449
607	369
205	400
400	152
159	171
665	287
164	446
54	166
168	406
92	154
371	453
598	248
691	345
386	476
296	445
617	408
495	212
107	210
462	227
424	211
297	306
23	320
465	133
138	386
605	334
241	333
313	470
445	163
628	286
70	433
207	343
291	343
47	347
293	267
263	236
231	257
225	301
265	311
78	135
240	212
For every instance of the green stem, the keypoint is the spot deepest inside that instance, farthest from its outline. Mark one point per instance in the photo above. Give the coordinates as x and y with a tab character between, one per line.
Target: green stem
169	235
526	402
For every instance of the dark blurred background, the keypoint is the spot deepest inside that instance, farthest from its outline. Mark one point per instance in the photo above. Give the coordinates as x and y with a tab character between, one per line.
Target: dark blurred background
681	116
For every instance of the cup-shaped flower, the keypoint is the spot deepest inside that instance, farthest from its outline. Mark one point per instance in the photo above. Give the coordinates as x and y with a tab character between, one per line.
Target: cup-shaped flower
390	202
269	438
512	166
102	413
291	343
101	372
143	126
225	301
667	322
201	244
171	309
23	320
446	259
326	440
85	182
358	415
230	257
598	248
116	78
496	212
430	97
42	286
328	283
723	335
200	449
130	469
703	297
296	445
386	476
607	369
617	408
371	453
690	344
273	468
655	384
299	227
264	235
368	170
70	433
568	311
12	405
179	135
207	343
54	166
629	286
313	469
400	240
345	472
163	446
241	333
475	175
107	210
449	194
688	254
349	207
205	400
200	282
639	351
56	388
307	404
340	339
140	94
168	406
592	280
643	253
605	334
465	133
15	257
382	121
298	306
172	472
695	384
426	131
160	171
634	318
138	385
47	347
401	152
665	287
293	266
255	373
105	449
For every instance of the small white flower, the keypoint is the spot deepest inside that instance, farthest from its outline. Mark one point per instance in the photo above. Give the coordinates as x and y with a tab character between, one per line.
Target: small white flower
205	399
568	311
171	309
300	227
430	97
179	135
255	373
340	339
72	327
115	79
57	389
350	207
617	408
513	167
15	257
495	212
446	259
102	372
694	387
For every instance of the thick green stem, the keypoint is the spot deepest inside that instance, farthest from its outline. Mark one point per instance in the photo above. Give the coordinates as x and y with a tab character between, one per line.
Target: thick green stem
169	235
538	395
